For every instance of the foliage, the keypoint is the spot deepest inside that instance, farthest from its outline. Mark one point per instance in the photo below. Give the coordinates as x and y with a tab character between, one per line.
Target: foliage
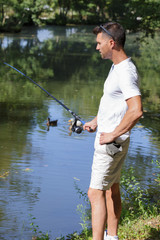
139	211
84	211
136	197
149	59
38	235
144	18
157	179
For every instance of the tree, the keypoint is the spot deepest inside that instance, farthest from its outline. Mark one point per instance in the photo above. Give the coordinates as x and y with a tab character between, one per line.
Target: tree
79	6
136	15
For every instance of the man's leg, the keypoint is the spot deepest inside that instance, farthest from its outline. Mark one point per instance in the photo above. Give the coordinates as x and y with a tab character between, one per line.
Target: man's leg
98	205
113	202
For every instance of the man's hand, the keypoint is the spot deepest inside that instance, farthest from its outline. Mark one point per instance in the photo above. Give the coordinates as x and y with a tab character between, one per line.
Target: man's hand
106	138
91	126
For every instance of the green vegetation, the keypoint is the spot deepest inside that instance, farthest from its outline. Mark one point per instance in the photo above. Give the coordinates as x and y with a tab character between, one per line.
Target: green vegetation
135	15
149	71
140	218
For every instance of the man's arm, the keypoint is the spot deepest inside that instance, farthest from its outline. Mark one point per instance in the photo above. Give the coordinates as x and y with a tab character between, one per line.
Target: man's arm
91	126
131	117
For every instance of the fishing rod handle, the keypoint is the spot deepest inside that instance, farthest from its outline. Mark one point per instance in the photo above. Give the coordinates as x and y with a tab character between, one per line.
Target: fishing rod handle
90	129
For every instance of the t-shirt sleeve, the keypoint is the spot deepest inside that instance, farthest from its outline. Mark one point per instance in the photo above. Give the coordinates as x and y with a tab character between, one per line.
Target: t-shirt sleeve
129	84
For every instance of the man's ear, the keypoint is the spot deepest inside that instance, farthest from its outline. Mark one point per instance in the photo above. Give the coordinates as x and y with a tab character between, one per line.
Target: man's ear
112	43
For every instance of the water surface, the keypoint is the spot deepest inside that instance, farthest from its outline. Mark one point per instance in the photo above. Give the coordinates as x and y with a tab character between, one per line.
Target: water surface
39	168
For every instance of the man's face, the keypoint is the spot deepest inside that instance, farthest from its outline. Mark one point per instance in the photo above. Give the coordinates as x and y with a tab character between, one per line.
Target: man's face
103	46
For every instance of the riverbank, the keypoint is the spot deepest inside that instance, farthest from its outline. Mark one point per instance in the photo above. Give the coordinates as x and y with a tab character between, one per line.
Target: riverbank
140	218
140	229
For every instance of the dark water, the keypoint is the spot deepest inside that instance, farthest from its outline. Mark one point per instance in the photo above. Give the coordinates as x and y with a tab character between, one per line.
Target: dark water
39	168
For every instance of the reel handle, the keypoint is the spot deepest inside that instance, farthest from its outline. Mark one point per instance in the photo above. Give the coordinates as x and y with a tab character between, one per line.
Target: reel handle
91	130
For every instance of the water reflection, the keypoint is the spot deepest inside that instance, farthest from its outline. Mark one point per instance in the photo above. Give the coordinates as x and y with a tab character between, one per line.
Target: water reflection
42	165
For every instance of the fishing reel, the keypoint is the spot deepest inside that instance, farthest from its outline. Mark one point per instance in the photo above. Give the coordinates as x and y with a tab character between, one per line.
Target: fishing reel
77	126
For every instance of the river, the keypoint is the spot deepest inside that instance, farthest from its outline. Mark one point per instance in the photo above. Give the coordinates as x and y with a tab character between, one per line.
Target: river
39	167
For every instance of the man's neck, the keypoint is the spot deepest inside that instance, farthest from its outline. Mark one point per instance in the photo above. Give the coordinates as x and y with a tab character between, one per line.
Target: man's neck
118	56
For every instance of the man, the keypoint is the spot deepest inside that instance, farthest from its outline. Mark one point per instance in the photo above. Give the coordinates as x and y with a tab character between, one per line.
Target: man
119	110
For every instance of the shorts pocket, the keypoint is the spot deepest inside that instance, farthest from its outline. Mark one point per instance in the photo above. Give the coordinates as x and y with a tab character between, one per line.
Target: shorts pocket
113	148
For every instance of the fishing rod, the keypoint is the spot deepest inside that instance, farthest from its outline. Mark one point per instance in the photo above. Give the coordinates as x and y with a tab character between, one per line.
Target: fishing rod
75	128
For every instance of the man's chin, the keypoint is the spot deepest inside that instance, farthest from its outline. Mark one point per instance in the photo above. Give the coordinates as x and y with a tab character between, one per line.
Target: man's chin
102	56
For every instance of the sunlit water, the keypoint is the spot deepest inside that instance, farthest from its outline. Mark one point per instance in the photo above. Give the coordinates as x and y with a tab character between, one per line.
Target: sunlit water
40	167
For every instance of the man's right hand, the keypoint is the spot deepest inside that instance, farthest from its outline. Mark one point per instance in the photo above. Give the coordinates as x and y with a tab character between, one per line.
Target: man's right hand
91	126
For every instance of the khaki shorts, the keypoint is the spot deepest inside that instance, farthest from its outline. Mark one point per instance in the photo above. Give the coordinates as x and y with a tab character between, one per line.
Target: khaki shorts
107	164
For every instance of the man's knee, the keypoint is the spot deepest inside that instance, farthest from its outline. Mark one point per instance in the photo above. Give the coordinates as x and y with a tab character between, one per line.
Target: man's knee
95	194
114	191
91	194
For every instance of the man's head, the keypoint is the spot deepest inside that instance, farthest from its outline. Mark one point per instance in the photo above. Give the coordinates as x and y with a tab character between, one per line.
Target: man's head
110	39
114	31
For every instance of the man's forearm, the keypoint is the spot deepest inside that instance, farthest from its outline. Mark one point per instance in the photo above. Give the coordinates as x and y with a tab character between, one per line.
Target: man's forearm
131	117
127	123
95	121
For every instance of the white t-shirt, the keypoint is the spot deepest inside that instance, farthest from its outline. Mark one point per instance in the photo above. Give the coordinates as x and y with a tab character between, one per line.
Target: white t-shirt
120	85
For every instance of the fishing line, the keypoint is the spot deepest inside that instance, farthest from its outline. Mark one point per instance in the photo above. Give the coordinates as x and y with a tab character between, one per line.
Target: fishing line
76	129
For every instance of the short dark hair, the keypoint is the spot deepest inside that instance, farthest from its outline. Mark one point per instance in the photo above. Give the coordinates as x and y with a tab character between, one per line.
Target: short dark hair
114	31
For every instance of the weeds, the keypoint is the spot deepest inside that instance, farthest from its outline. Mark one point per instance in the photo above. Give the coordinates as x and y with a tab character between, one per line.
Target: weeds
140	218
133	196
157	179
38	235
84	211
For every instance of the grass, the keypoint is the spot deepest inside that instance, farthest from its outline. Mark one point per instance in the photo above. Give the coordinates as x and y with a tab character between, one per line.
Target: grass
141	229
138	229
140	219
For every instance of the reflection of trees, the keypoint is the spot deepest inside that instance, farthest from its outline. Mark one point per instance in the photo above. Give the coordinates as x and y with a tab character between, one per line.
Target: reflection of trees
74	62
19	100
16	120
18	186
70	58
148	65
151	122
57	60
140	159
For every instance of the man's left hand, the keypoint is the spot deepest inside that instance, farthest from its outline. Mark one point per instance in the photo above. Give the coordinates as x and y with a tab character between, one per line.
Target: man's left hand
106	138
